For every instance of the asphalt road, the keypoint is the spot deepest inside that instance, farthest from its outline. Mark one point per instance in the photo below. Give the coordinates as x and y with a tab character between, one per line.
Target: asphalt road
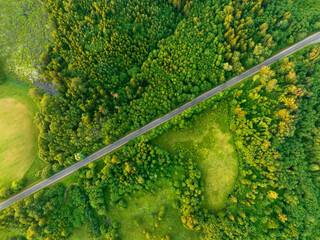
58	176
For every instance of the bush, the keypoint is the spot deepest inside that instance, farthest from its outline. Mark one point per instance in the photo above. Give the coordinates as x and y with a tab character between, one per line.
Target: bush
18	184
5	192
2	77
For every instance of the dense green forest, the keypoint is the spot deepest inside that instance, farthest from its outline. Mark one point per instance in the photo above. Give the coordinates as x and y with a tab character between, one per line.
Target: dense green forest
119	64
275	127
118	71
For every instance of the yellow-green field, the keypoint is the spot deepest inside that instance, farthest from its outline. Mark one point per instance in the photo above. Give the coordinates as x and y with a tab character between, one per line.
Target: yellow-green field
140	220
210	143
18	134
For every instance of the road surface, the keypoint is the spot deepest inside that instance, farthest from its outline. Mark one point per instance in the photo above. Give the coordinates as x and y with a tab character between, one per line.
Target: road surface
58	176
46	87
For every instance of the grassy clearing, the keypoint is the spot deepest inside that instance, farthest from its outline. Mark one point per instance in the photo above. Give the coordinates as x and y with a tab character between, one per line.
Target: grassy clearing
80	234
18	134
210	143
8	234
141	217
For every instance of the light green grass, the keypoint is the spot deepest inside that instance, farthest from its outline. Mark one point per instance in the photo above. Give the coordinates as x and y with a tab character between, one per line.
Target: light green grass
142	215
72	178
80	234
210	143
7	234
18	135
36	166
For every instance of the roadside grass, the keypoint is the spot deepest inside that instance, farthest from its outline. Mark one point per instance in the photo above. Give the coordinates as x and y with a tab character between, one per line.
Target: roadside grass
72	178
209	142
18	134
30	175
140	219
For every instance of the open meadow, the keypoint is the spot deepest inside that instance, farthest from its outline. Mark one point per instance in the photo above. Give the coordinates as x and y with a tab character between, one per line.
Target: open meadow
209	142
151	216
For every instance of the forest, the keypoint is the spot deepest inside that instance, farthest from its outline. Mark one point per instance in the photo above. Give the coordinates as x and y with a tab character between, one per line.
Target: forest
107	90
117	65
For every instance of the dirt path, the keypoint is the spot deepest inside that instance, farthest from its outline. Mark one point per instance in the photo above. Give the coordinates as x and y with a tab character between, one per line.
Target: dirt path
47	87
65	192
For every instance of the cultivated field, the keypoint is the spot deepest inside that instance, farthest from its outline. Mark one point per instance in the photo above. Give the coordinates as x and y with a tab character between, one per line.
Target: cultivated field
18	134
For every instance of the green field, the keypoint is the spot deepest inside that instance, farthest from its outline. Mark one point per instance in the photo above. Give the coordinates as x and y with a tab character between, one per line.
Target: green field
18	134
141	217
210	143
